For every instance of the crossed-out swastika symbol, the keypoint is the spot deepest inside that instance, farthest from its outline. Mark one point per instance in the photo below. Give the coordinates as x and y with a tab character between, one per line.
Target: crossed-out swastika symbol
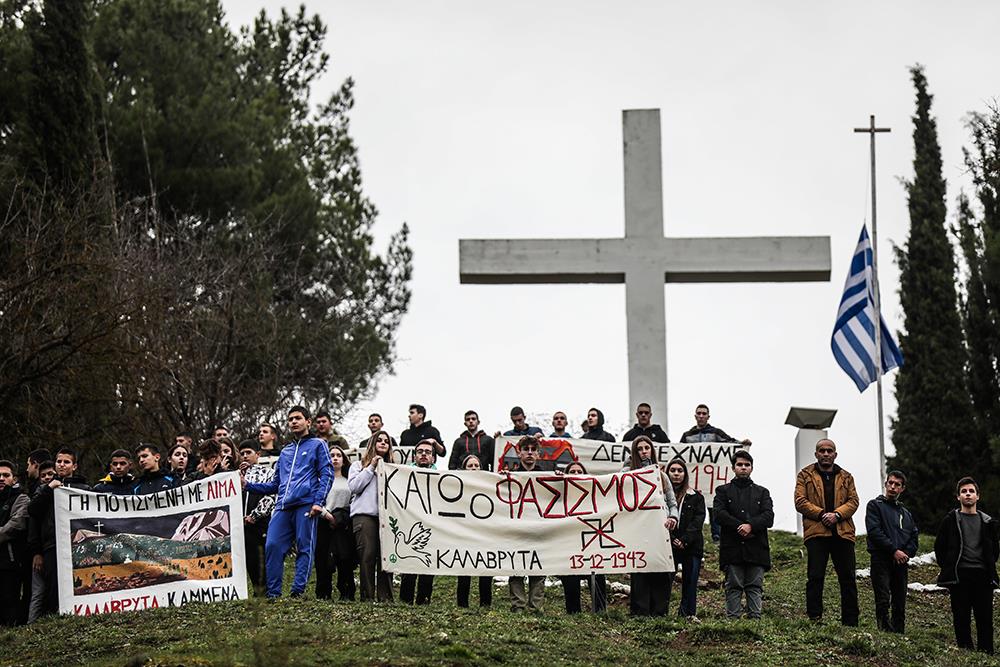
601	532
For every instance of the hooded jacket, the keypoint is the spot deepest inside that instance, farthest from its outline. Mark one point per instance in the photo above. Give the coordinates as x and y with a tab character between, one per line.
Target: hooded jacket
742	501
890	528
948	547
654	432
810	502
479	444
302	477
42	511
119	486
598	432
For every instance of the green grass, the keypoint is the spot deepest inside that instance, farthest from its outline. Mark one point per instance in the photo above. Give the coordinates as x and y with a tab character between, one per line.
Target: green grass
312	632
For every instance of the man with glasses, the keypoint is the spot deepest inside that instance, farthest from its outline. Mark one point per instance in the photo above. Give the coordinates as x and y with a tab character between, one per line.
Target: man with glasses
643	417
423	457
527	453
473	441
559	424
702	431
892	542
826	498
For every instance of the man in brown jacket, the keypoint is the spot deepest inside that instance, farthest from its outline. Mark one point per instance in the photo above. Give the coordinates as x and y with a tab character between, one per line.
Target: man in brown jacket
826	498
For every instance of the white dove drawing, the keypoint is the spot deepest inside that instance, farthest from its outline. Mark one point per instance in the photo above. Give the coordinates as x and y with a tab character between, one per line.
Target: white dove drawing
414	544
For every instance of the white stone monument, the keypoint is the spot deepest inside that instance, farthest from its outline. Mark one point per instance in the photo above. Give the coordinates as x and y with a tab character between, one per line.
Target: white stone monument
812	424
644	260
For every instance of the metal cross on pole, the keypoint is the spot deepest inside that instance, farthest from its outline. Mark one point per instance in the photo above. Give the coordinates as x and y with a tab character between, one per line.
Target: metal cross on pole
871	130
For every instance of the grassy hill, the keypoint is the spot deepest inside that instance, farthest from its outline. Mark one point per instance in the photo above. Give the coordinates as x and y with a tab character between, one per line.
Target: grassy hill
311	632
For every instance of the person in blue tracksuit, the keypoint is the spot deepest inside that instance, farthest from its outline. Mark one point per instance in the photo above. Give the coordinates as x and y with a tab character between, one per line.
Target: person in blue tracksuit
301	483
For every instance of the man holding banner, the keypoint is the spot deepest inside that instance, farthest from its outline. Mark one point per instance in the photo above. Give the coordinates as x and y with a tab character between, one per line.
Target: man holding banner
527	453
301	481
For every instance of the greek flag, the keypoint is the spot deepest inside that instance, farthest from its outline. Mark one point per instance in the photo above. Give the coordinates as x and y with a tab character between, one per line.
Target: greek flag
853	339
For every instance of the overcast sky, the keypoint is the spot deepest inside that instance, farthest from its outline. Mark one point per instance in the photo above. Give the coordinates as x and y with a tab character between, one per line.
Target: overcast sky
503	120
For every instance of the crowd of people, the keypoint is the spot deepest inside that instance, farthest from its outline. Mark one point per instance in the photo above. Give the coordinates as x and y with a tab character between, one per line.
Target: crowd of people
308	499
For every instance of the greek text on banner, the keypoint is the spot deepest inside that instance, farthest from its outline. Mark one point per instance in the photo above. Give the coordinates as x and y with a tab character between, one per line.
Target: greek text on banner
709	464
483	523
166	549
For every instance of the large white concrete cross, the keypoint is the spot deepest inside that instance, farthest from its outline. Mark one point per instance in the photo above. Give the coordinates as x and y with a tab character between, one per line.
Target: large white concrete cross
644	260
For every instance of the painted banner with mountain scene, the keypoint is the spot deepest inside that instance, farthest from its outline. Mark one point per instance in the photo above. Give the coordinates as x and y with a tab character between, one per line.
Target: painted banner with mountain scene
125	553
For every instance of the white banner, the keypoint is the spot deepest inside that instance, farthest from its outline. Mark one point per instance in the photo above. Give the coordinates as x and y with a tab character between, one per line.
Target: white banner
709	464
481	523
166	549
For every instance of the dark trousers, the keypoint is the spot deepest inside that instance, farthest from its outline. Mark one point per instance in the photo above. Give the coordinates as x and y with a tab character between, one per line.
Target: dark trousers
973	595
423	583
648	596
254	539
889	584
51	604
374	580
324	566
691	568
25	602
485	591
10	595
820	550
331	555
598	593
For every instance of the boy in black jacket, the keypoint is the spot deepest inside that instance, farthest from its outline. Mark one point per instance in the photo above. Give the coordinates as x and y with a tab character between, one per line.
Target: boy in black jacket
744	511
892	542
967	547
42	509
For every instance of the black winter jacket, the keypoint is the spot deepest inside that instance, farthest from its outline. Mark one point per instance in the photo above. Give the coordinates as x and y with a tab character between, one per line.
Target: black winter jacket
153	482
42	512
411	436
13	527
741	501
654	432
479	444
948	547
119	486
890	528
692	518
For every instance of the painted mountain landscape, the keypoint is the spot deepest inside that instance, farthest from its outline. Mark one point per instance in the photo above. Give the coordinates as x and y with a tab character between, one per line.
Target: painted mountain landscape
121	554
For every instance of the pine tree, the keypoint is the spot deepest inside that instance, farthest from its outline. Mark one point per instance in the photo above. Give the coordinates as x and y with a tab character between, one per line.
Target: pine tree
931	431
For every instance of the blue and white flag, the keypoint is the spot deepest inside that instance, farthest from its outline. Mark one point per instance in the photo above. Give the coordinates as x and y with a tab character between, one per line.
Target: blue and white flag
853	339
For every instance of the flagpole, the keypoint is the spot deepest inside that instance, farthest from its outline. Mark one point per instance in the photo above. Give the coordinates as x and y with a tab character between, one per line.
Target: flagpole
871	130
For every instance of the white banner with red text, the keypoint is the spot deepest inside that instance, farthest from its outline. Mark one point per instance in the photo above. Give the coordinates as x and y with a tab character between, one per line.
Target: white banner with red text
483	523
709	464
166	549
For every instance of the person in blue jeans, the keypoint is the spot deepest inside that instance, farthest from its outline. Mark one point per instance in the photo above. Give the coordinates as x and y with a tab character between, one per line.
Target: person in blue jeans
687	540
301	482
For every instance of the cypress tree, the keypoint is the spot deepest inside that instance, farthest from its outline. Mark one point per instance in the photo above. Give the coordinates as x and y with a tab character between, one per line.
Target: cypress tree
979	232
60	118
931	431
